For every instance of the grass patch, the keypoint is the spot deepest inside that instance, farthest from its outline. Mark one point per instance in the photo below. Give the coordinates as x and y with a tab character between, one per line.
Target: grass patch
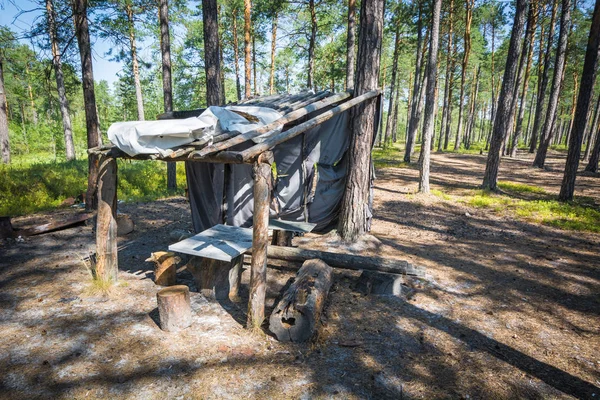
27	188
578	215
520	188
440	194
391	156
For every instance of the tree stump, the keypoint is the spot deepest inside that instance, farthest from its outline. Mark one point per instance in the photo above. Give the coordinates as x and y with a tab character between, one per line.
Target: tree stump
174	308
6	229
165	270
297	315
125	224
217	279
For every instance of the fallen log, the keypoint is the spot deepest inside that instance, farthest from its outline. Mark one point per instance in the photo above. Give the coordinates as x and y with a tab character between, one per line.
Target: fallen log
62	223
346	261
297	316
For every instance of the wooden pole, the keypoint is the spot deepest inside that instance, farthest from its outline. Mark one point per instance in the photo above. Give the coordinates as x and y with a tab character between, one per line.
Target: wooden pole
260	239
106	223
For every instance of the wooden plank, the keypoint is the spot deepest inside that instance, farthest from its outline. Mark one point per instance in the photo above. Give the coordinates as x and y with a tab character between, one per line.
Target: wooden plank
293	116
260	238
281	137
107	264
346	261
221	242
291	226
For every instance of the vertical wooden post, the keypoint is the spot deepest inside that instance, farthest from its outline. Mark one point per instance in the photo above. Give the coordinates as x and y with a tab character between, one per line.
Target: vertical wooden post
260	238
106	223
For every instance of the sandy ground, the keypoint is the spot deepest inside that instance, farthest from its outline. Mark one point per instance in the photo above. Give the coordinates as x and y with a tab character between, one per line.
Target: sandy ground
509	309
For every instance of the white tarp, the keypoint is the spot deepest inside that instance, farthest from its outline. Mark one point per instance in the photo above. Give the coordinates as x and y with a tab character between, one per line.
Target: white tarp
151	137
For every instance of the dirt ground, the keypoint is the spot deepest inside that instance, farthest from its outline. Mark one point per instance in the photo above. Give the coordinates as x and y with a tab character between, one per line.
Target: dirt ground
509	309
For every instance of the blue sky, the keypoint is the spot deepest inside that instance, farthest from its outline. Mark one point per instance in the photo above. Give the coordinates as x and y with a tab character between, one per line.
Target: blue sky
20	23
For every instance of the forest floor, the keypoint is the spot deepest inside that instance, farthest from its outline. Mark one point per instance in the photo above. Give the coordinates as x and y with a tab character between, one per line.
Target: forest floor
510	307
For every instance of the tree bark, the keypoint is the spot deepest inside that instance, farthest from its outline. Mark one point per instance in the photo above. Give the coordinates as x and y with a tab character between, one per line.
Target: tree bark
89	98
134	62
212	65
4	139
539	110
428	125
107	261
350	45
465	62
355	213
247	48
472	110
273	48
260	239
60	82
588	79
559	65
506	97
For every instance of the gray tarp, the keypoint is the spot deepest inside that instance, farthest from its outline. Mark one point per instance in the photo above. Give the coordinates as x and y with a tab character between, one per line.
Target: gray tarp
311	177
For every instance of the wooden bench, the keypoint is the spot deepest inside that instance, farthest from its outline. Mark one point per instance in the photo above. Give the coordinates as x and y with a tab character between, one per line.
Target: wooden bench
218	256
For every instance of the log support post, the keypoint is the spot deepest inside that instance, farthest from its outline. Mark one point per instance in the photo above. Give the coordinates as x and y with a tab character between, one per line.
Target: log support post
106	222
215	279
260	238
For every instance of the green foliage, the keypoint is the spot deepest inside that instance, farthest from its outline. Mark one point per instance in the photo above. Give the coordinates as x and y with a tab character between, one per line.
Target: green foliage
38	185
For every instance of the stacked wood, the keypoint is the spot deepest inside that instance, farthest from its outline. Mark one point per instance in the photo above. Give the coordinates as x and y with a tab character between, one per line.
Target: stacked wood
346	261
165	270
174	310
297	316
217	279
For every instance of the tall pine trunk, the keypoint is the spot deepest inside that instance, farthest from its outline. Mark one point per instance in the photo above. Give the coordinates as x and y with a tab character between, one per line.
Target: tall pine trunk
247	49
212	65
350	45
505	100
312	42
559	64
428	125
165	51
588	79
465	62
134	62
543	79
414	117
592	131
60	82
389	126
4	140
529	39
89	97
273	48
236	57
355	213
449	72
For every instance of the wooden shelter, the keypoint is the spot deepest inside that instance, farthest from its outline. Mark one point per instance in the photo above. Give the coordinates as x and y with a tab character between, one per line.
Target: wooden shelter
301	112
